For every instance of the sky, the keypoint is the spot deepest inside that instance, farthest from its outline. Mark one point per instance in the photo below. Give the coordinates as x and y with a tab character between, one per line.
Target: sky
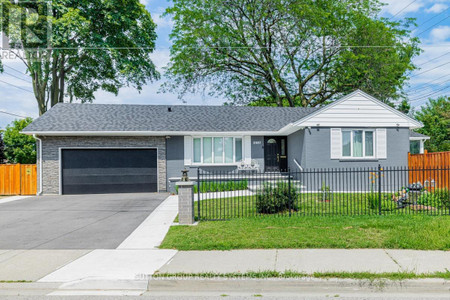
432	79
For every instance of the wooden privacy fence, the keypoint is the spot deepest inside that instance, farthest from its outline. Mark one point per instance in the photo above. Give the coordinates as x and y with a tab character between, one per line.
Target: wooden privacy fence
431	166
18	179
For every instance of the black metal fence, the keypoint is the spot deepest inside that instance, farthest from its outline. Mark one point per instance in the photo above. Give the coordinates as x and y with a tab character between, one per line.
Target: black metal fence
322	192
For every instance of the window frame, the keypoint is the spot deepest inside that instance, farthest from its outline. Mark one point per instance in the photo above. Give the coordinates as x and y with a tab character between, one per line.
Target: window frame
364	156
223	163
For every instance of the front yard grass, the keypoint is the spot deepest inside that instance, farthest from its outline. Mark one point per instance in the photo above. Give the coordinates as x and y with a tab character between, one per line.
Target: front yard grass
269	232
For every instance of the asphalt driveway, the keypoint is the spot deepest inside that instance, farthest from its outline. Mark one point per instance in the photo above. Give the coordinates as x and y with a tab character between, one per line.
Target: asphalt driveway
74	222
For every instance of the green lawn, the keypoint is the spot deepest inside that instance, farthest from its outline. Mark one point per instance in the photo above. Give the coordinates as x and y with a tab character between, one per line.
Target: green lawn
309	204
266	232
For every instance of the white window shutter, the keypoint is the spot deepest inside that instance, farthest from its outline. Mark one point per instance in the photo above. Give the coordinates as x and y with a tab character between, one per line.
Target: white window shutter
336	143
247	149
188	149
381	143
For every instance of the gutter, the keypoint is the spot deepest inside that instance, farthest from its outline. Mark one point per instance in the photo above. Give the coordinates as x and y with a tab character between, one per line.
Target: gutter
39	193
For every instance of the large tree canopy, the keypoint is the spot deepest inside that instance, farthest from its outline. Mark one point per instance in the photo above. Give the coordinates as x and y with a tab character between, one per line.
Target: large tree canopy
72	48
287	52
435	116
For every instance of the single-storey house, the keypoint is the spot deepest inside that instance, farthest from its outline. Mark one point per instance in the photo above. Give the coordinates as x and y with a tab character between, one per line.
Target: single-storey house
102	148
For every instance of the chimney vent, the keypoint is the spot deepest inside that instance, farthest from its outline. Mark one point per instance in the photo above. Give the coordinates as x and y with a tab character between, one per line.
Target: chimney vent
169	109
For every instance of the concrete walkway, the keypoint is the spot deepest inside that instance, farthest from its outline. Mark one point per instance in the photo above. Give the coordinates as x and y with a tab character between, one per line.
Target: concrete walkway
309	261
136	257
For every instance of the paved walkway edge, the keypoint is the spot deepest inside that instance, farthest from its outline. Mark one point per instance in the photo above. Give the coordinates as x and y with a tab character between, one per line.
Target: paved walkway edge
13	198
151	232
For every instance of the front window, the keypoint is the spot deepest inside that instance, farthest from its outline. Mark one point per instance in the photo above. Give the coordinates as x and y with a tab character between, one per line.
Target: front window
358	143
217	150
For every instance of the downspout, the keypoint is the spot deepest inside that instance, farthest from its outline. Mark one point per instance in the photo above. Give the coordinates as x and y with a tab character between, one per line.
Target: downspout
40	165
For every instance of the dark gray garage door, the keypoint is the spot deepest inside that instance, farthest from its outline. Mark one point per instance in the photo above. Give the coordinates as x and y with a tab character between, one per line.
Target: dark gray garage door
99	171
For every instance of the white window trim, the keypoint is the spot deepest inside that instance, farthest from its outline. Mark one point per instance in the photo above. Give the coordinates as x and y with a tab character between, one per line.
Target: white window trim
351	157
223	163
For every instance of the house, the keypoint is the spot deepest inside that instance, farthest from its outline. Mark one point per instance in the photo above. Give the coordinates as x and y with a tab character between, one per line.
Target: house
417	142
96	148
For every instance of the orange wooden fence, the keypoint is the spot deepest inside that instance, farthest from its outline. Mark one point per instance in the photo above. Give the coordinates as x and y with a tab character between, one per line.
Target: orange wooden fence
18	179
432	169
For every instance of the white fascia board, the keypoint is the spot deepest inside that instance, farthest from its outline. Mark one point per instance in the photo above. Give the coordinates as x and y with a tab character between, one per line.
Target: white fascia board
416	138
152	133
413	123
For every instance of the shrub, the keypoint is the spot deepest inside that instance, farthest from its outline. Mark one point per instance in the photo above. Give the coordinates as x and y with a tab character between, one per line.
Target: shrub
430	199
274	199
214	186
444	196
373	201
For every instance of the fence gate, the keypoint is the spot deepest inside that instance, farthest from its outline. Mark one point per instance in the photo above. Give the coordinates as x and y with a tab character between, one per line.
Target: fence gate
18	179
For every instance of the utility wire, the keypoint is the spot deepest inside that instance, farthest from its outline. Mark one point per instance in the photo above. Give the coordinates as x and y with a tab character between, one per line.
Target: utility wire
417	74
429	19
4	72
9	67
433	59
18	87
448	16
428	82
403	9
11	114
431	86
430	94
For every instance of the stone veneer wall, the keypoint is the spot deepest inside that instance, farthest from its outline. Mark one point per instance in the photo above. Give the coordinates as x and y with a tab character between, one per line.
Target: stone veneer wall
51	146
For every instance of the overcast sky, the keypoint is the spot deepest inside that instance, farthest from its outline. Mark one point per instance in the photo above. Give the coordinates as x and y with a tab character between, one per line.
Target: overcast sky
433	17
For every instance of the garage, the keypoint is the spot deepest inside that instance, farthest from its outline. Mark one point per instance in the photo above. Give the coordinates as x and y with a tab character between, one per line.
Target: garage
102	171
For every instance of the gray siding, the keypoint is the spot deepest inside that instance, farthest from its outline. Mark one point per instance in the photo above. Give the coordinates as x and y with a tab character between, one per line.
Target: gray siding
51	155
258	151
295	149
317	150
175	160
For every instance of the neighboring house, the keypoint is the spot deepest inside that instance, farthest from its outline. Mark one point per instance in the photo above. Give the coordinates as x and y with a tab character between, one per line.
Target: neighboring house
417	142
95	148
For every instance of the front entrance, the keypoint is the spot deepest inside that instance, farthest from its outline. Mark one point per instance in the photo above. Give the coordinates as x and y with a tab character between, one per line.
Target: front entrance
275	154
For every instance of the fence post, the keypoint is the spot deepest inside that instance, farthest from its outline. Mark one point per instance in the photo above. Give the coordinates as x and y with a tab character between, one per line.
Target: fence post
289	192
185	202
379	189
198	192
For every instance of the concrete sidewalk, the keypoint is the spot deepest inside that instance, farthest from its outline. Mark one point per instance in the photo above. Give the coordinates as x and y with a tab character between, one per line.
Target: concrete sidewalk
308	261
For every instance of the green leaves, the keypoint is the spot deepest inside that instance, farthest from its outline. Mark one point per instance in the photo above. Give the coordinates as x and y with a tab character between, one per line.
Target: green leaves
296	53
90	45
19	148
435	116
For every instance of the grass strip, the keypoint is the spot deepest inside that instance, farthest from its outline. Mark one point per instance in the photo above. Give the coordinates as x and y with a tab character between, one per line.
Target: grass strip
326	275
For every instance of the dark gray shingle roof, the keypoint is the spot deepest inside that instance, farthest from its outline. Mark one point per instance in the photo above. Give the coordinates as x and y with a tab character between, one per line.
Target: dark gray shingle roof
113	117
416	134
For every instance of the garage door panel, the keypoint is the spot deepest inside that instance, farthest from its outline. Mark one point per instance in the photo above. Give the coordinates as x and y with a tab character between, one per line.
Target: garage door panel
110	188
111	171
90	171
109	179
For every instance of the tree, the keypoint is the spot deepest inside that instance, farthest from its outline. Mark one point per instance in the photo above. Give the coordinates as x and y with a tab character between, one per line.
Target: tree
435	116
404	107
19	148
81	46
287	52
2	148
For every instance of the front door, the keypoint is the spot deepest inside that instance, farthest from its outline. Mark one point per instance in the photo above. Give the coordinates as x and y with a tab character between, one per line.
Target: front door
275	154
